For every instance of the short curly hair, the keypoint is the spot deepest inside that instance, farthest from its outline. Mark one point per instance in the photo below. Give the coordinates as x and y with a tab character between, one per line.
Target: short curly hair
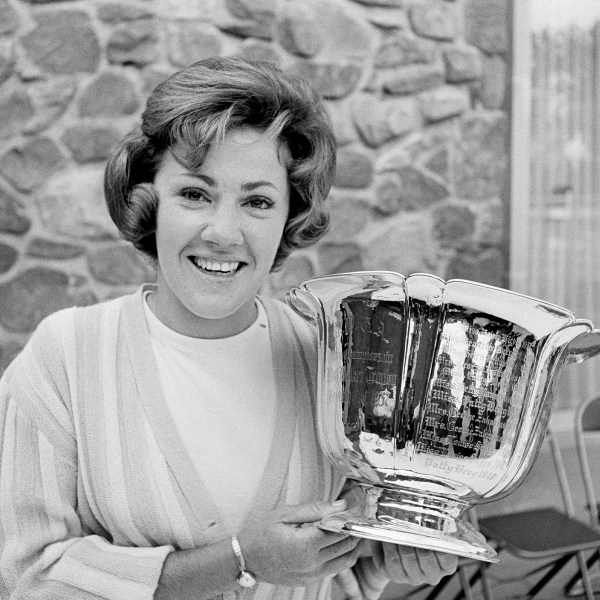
196	107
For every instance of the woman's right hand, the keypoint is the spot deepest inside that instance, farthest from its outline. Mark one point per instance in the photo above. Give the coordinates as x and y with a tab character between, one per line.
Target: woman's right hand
288	548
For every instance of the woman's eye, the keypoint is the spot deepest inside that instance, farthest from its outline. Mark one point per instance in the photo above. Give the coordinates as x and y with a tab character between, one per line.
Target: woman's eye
193	194
259	202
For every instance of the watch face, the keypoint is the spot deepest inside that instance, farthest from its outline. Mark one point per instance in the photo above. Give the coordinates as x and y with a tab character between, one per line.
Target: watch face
246	579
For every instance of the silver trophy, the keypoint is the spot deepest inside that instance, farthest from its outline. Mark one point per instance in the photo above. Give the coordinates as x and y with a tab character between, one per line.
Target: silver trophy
434	396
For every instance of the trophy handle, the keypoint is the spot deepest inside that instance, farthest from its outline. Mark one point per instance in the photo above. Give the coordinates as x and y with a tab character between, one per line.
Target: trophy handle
299	300
584	346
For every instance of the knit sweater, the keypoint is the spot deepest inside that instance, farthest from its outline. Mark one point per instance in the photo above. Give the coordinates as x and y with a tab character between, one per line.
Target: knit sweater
96	487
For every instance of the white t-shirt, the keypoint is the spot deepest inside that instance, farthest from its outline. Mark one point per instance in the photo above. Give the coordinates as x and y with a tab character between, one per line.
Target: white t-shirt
221	394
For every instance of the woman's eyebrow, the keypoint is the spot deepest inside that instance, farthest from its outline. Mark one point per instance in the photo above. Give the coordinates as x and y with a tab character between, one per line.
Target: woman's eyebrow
252	185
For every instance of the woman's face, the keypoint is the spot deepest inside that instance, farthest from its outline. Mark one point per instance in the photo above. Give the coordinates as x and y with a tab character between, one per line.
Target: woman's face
218	231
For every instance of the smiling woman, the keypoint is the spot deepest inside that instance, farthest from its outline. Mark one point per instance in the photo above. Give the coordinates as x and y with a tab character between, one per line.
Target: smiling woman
218	232
162	445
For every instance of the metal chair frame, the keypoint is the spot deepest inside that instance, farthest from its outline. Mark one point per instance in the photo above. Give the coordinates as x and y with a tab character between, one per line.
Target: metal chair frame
584	537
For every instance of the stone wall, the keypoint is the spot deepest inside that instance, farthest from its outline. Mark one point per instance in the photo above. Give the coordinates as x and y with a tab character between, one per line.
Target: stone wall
417	91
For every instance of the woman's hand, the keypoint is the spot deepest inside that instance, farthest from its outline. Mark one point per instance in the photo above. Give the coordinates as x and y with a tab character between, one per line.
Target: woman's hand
289	549
415	566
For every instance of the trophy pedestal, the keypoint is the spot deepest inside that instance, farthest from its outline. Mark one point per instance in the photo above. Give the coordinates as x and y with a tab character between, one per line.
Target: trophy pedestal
393	516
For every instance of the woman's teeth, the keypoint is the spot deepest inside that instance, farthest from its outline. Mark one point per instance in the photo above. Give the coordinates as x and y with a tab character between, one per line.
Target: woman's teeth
214	266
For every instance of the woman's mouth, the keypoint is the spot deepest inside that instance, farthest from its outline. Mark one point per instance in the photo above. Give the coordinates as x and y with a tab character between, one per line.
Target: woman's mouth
215	267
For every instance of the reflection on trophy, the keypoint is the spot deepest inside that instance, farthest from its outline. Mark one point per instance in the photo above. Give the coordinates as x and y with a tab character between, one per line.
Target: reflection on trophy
433	396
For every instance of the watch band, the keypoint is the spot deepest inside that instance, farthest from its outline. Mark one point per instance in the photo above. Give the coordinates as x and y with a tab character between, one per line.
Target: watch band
246	579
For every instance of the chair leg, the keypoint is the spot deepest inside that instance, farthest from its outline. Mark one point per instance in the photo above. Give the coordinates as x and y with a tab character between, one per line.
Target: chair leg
485	582
585	576
439	588
575	579
467	584
558	565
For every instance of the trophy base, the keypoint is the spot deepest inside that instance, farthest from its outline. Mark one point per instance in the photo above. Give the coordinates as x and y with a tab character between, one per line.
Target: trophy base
448	534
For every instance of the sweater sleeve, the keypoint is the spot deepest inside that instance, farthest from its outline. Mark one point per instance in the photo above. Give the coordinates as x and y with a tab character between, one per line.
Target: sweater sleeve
45	551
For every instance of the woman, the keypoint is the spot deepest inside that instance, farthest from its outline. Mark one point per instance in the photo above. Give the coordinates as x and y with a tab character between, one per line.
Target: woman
161	445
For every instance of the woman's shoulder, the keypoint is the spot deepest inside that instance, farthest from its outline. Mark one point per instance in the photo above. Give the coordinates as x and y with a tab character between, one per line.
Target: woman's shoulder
64	322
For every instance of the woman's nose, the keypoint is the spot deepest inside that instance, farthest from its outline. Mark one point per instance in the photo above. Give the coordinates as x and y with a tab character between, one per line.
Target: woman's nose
223	227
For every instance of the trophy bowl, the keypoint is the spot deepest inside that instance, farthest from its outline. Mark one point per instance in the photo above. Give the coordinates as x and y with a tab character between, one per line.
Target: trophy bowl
433	396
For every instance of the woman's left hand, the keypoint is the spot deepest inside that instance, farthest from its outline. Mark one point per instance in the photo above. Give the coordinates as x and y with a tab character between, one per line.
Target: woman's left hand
415	566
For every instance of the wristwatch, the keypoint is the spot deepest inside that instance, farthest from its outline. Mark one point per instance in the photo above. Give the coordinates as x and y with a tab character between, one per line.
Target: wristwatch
246	579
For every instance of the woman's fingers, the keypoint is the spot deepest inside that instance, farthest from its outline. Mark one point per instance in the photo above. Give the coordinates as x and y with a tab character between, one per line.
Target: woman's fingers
333	549
417	565
448	563
340	563
309	513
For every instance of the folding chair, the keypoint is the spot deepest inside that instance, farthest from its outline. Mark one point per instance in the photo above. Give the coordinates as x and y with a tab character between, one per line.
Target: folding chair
587	422
547	533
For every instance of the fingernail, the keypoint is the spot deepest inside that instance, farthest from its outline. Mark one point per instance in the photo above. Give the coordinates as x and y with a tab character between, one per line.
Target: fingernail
338	503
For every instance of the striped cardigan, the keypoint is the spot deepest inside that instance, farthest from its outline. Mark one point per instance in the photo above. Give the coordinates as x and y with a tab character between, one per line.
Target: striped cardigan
96	487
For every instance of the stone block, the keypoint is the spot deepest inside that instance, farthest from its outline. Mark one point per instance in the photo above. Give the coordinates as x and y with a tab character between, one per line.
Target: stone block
349	216
381	120
348	36
487	24
444	102
29	165
388	194
89	142
9	19
342	121
110	94
153	76
8	352
7	60
189	41
16	109
354	169
183	10
404	48
115	12
434	19
401	243
63	42
40	247
453	224
481	163
298	267
388	3
491	223
393	158
339	258
484	266
330	79
438	162
299	30
410	78
491	89
411	189
259	50
8	257
246	29
118	264
71	205
36	293
13	217
261	11
463	63
51	98
387	18
134	43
